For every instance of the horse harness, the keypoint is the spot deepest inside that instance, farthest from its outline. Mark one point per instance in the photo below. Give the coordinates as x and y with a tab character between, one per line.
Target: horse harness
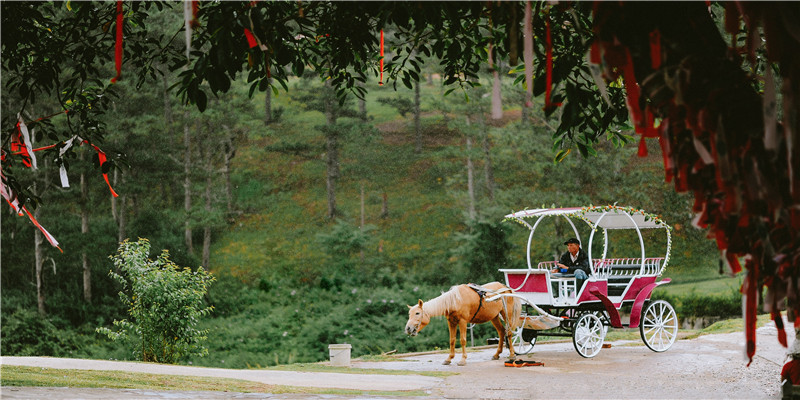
481	291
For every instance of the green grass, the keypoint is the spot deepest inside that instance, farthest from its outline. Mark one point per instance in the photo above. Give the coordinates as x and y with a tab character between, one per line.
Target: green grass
49	377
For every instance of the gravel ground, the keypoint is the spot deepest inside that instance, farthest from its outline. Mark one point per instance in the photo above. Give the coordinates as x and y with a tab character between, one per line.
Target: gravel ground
708	367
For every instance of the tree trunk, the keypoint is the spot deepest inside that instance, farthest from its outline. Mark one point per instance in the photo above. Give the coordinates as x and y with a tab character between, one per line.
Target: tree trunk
525	117
38	260
167	105
187	183
363	209
417	126
497	99
230	152
385	207
207	228
470	180
87	271
268	104
122	215
362	106
332	150
488	172
38	250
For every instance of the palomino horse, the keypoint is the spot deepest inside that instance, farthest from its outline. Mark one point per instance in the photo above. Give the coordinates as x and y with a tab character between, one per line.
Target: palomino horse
462	305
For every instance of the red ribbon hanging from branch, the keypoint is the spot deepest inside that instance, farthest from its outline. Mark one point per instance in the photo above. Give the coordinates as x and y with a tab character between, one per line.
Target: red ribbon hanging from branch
251	40
548	105
380	82
118	44
101	155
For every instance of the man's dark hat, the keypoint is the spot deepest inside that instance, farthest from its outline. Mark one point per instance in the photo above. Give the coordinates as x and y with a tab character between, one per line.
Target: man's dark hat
573	240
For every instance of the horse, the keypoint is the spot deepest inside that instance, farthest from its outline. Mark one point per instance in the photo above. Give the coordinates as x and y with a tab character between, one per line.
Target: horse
462	305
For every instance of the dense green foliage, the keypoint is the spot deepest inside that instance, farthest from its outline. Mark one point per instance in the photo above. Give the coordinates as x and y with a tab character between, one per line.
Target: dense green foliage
165	304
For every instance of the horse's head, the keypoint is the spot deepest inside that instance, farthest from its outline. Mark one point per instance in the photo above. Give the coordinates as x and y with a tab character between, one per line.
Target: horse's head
417	319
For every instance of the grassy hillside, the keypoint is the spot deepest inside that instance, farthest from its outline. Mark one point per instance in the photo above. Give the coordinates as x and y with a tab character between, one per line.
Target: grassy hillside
285	292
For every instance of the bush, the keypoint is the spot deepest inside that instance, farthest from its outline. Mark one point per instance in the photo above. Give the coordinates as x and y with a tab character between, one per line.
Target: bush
164	303
696	305
26	333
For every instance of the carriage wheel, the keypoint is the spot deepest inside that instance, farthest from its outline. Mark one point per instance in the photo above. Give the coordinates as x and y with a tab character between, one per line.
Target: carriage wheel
659	326
524	340
588	335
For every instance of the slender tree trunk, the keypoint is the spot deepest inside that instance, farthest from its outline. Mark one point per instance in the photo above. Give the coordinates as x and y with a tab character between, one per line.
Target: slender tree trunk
525	117
87	271
363	209
417	125
497	99
470	180
38	249
207	228
362	106
268	104
385	207
187	144
488	172
167	105
120	215
38	260
230	152
332	149
187	183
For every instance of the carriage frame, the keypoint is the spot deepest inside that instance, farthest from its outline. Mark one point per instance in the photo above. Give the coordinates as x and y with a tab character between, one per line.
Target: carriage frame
553	306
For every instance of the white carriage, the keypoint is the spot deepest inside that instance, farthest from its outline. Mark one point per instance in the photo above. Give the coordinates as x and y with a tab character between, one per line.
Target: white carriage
554	306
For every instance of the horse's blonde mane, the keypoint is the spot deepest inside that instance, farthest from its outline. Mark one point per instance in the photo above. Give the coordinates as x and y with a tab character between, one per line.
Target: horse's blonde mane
443	304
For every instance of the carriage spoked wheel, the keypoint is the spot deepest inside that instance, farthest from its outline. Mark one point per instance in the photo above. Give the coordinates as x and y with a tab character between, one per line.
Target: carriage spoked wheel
524	340
588	335
659	326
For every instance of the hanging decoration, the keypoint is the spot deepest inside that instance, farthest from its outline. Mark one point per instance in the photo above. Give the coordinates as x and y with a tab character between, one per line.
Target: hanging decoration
548	104
118	44
720	139
380	81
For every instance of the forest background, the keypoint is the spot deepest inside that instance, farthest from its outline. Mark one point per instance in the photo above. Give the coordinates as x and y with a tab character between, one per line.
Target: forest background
319	230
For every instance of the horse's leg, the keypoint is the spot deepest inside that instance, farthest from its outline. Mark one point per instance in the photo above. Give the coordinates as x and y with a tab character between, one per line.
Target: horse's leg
502	335
462	325
451	326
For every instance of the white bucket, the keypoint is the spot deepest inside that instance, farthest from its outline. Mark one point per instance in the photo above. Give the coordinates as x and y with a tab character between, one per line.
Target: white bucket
340	354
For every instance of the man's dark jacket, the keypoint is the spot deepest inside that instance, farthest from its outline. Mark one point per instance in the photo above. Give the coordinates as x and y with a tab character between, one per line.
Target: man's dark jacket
582	262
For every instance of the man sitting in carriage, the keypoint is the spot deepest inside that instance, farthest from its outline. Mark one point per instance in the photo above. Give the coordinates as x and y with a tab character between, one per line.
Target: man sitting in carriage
574	261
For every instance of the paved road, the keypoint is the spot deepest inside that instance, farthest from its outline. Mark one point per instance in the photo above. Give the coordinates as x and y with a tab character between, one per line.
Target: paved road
709	367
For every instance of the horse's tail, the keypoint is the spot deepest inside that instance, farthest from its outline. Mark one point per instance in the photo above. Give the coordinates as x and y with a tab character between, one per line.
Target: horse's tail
514	307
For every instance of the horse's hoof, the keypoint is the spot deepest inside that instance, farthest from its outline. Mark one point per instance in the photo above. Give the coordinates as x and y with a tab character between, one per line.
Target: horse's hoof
462	363
446	362
496	358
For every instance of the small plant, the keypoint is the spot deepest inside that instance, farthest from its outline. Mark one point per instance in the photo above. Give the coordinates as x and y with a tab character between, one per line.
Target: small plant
164	303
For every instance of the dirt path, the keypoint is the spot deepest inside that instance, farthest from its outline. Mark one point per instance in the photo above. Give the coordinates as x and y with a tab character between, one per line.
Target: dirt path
709	367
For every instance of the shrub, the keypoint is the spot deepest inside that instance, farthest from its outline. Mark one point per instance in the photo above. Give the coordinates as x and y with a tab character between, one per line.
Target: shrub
164	303
26	333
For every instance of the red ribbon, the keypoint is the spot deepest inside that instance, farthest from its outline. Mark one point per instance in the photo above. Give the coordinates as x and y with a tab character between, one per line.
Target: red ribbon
194	23
750	292
101	156
380	82
18	148
251	40
52	240
118	45
655	49
548	105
